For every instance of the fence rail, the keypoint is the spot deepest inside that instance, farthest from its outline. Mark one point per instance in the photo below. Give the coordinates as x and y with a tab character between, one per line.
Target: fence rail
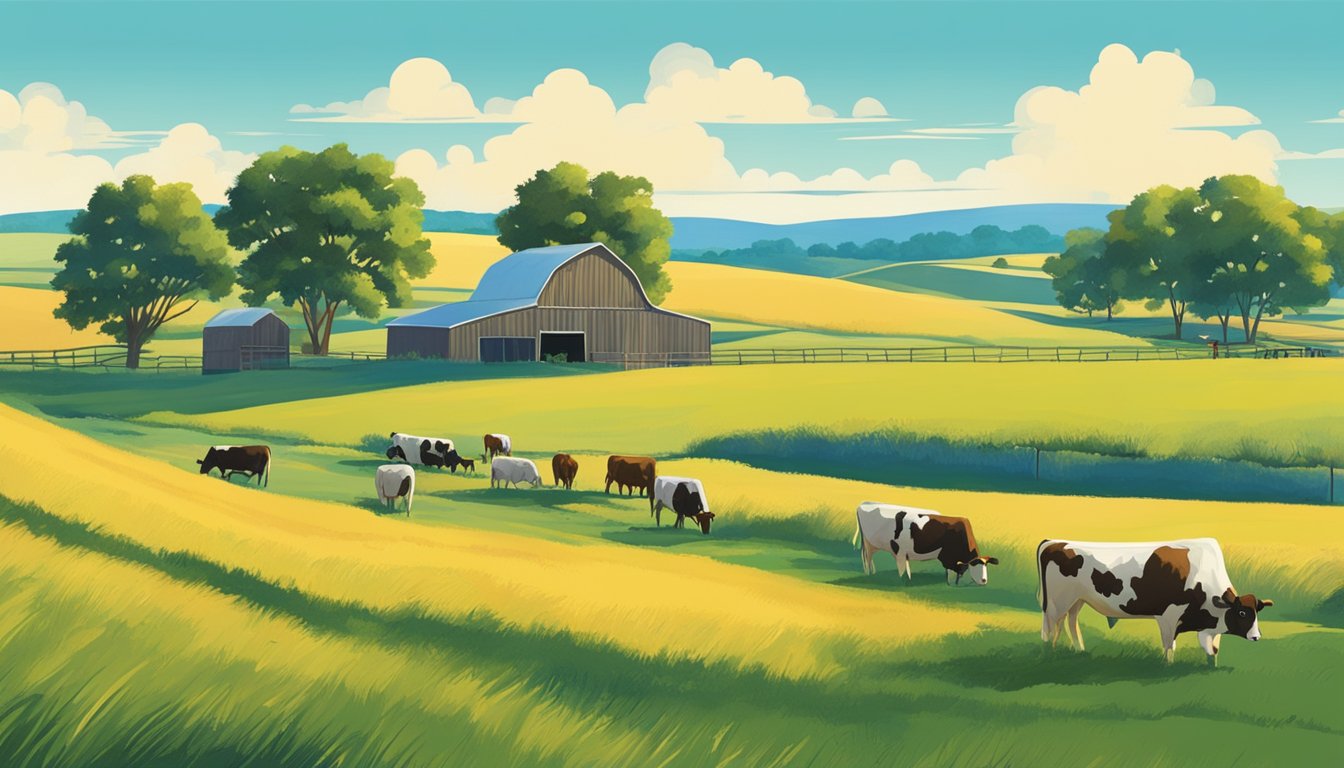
986	354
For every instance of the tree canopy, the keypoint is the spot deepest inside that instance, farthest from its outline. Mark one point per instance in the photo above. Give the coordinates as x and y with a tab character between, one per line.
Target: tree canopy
1082	279
142	255
327	231
563	205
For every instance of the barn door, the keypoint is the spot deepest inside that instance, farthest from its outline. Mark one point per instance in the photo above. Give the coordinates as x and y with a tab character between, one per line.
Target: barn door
508	349
571	345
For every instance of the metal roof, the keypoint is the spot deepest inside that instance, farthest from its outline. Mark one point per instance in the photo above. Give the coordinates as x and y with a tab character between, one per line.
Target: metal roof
238	318
514	282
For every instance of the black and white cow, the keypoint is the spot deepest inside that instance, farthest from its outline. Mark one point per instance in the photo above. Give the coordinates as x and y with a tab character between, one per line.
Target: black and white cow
683	495
395	481
910	533
1183	585
251	460
412	449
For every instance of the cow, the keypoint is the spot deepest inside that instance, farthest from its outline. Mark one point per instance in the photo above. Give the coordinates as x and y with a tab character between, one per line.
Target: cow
564	468
497	445
683	495
1183	584
506	469
395	481
632	472
910	533
251	460
453	460
427	451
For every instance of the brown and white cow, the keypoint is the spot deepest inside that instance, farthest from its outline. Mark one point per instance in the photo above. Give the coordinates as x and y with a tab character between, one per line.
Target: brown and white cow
564	468
910	533
251	460
497	445
1183	585
632	472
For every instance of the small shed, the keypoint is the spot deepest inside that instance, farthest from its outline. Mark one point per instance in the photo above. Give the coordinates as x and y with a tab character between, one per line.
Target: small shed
245	339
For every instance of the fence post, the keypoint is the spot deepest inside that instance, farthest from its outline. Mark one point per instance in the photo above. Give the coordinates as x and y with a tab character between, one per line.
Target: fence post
1038	462
1332	484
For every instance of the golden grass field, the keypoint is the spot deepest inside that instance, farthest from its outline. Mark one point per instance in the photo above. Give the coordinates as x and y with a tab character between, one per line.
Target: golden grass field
26	322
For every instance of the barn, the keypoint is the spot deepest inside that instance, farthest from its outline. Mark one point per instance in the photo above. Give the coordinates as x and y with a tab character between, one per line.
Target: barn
243	340
580	301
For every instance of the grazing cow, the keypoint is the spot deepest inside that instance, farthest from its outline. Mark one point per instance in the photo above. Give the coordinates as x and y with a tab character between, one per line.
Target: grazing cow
683	495
395	481
920	534
428	451
506	470
497	445
251	460
1182	584
453	460
632	472
564	468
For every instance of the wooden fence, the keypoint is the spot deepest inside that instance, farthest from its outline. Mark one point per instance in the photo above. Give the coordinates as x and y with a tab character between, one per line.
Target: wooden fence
94	356
986	354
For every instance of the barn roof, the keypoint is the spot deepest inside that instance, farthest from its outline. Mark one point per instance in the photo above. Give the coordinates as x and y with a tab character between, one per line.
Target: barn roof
238	318
514	282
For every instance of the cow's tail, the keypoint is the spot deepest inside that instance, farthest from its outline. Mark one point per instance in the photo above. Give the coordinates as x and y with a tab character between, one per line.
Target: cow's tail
266	479
1040	572
858	532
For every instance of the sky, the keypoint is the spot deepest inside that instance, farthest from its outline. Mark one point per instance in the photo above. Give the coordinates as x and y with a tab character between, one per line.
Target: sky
767	111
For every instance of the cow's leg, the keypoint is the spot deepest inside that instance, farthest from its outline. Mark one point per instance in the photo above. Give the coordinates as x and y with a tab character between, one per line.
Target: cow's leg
1075	634
1168	630
866	557
1052	622
658	514
1209	642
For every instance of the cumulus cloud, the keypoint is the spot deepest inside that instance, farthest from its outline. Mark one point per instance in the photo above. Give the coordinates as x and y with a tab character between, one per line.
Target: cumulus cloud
1137	123
868	107
420	90
45	162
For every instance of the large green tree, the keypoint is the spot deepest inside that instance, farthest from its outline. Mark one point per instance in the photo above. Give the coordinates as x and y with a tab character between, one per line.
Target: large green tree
563	205
1083	279
328	232
142	255
1265	258
1149	242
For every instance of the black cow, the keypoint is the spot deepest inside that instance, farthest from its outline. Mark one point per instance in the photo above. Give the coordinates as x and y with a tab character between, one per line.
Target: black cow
251	460
453	460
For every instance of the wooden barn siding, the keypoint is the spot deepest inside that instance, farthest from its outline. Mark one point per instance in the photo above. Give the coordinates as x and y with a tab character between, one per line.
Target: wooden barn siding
606	330
423	342
594	279
221	347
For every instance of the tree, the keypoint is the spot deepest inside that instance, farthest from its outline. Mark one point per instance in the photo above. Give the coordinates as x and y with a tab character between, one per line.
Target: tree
1266	260
142	255
562	205
326	231
1081	276
1151	239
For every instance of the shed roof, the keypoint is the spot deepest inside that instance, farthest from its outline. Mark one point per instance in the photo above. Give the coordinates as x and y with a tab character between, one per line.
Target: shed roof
238	318
514	282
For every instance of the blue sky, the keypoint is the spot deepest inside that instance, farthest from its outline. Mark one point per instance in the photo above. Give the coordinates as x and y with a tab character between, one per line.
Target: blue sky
239	68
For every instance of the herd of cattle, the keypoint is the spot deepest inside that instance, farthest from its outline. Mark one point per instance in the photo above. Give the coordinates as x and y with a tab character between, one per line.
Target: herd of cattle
1182	584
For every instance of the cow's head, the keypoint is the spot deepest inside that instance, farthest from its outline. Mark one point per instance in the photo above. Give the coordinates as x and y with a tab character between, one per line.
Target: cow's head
395	452
440	446
704	519
978	567
1241	614
211	461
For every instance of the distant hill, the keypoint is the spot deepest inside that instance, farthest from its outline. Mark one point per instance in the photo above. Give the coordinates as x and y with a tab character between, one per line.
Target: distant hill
702	233
435	221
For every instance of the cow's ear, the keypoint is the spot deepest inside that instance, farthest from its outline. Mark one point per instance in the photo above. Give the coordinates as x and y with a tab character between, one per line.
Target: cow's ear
1261	605
991	561
1230	596
1220	603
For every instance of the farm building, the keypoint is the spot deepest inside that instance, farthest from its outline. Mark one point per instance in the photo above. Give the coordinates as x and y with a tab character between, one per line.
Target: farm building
580	301
244	340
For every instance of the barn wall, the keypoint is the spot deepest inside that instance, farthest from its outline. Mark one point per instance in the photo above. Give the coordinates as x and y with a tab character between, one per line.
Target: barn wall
595	279
423	342
221	347
607	331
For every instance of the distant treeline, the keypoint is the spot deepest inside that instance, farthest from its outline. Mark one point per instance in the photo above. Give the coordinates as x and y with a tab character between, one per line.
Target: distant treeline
985	240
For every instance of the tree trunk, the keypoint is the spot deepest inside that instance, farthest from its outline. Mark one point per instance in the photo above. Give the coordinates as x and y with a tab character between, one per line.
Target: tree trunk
1108	312
133	345
1224	319
1255	327
1177	311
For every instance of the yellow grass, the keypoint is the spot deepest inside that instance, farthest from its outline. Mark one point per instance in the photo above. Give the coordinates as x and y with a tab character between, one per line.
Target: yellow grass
460	260
799	301
1166	406
26	322
647	602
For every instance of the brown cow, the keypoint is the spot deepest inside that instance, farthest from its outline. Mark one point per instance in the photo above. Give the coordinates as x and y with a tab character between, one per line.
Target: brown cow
632	472
497	445
564	467
251	460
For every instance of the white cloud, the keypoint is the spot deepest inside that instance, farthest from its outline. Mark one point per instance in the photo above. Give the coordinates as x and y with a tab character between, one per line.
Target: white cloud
44	163
420	90
1336	119
868	107
1328	154
1137	123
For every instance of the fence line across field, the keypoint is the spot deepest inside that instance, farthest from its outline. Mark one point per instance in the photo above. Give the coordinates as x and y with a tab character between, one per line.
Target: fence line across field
93	356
